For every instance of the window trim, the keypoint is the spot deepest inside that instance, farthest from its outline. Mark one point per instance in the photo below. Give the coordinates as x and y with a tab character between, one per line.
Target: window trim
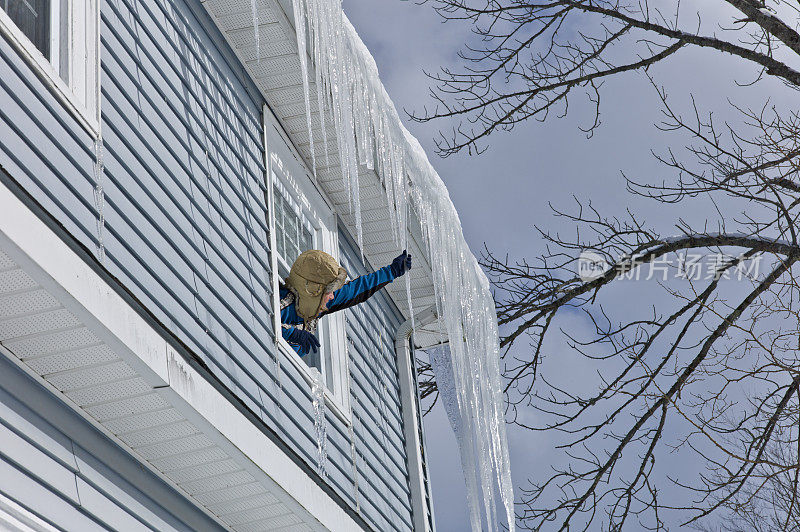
48	73
317	209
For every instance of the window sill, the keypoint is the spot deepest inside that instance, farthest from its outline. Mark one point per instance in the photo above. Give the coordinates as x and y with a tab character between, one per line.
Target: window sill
307	373
49	77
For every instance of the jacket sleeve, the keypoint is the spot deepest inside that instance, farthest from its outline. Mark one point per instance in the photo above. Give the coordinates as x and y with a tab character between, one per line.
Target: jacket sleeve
287	329
359	290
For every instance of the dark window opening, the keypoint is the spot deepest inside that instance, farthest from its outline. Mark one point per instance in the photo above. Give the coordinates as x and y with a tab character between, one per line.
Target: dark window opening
32	17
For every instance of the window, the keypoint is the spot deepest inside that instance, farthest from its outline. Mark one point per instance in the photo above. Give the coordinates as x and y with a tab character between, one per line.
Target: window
294	234
301	220
292	230
59	38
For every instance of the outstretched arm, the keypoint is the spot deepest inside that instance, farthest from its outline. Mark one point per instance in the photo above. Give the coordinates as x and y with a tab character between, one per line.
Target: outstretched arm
361	288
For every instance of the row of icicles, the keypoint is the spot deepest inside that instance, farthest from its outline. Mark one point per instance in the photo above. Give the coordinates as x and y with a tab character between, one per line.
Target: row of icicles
368	132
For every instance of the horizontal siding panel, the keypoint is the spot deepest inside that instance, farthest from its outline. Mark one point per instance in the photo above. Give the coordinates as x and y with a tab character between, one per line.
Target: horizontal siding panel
149	207
174	121
370	380
36	496
168	51
378	430
295	421
170	158
35	129
370	342
382	459
110	514
377	508
57	473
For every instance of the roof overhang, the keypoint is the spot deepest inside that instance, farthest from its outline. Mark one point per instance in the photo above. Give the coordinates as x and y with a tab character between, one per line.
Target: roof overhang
274	66
70	328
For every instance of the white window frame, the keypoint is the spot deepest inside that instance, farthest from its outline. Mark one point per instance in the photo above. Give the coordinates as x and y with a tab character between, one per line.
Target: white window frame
77	21
282	163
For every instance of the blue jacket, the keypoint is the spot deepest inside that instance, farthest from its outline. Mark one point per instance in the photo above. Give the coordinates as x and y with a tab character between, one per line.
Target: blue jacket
351	293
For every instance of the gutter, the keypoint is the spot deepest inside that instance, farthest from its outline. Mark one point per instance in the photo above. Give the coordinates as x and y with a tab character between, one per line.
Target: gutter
422	512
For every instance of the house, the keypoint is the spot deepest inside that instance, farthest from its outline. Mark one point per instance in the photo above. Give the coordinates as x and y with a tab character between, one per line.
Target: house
156	181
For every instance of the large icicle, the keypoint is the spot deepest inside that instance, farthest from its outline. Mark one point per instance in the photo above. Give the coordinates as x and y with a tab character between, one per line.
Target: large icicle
442	366
367	126
320	422
256	30
100	196
300	18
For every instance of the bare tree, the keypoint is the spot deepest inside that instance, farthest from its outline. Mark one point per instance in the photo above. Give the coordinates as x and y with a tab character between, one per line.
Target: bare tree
712	371
774	505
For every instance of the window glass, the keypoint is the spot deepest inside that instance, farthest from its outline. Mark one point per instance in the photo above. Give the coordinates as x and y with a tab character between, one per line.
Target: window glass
32	17
279	208
293	232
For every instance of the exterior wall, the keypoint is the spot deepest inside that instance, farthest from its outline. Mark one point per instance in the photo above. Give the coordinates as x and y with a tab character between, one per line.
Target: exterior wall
185	229
185	214
55	464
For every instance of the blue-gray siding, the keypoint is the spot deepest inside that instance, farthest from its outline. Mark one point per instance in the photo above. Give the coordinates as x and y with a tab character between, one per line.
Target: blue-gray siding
186	228
70	475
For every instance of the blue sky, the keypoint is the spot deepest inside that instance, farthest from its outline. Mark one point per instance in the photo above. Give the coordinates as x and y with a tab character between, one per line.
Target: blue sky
502	193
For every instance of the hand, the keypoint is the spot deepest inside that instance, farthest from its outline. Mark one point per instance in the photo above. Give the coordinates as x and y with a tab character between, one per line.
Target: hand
401	264
304	339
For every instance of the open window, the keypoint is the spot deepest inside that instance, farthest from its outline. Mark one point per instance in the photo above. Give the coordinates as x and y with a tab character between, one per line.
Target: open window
294	234
301	219
60	39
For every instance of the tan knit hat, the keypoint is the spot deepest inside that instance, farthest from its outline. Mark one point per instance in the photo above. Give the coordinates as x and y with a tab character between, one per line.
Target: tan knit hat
314	274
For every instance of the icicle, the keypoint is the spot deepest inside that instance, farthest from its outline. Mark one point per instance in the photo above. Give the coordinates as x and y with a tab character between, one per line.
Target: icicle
351	431
352	434
442	366
256	32
320	422
364	118
321	111
99	196
300	18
